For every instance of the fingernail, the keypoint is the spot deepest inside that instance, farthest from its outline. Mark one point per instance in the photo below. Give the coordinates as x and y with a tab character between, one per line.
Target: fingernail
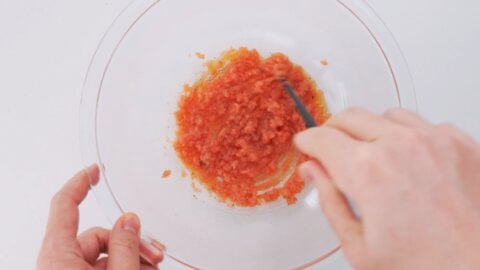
130	222
306	172
93	174
152	249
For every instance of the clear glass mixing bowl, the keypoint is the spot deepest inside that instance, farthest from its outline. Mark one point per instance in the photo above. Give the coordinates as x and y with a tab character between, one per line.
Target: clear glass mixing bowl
128	125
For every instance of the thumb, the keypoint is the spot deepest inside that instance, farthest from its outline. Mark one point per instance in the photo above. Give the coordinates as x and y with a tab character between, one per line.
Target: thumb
124	245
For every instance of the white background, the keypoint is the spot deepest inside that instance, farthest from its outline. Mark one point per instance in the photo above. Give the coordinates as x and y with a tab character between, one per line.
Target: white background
45	48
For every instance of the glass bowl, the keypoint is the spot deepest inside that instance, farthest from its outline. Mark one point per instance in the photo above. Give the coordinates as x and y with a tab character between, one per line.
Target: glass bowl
128	126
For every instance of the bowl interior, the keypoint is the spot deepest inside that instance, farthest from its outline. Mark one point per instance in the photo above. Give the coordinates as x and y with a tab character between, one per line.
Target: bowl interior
135	126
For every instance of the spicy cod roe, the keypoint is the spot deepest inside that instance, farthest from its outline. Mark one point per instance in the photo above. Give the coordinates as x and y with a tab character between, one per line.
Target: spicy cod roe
236	124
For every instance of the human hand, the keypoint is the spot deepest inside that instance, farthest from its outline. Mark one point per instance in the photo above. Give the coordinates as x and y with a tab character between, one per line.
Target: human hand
416	186
62	249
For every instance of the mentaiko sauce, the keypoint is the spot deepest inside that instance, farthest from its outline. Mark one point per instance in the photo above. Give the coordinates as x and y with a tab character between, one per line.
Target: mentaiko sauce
236	124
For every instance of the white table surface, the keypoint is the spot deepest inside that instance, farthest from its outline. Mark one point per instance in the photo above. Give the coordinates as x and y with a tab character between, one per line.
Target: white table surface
45	47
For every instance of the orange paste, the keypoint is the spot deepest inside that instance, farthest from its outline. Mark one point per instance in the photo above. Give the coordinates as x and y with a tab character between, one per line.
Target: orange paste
236	124
166	173
200	55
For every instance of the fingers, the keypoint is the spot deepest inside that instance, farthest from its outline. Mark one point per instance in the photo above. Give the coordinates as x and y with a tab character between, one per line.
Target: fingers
405	117
103	263
361	124
151	251
63	218
147	267
334	204
124	246
94	242
332	148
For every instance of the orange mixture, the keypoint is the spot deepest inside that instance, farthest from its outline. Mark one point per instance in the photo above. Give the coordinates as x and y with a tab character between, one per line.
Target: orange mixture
236	124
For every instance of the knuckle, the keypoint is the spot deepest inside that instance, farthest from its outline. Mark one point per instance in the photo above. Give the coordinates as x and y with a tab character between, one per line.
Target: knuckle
446	127
449	134
455	142
418	143
352	111
58	198
61	197
394	111
449	137
367	163
446	131
414	137
347	113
